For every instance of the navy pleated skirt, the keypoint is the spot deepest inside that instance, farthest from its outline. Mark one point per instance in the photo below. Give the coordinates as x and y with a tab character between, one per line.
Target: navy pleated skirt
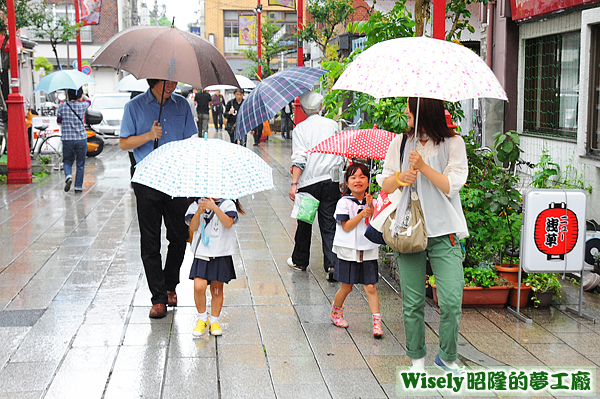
347	272
218	269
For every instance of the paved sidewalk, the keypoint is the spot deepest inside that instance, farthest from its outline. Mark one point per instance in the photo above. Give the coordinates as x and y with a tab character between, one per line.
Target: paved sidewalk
74	307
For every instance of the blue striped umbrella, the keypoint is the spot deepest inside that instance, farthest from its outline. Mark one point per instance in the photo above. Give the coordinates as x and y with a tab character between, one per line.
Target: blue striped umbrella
272	94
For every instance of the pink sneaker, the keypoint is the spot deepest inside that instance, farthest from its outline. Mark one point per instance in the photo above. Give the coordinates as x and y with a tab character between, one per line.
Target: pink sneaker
377	330
337	316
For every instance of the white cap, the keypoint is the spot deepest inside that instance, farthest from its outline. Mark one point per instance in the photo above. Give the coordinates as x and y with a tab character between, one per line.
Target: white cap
311	101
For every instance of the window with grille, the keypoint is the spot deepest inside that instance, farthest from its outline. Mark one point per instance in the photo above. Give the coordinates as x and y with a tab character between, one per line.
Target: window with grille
594	127
552	85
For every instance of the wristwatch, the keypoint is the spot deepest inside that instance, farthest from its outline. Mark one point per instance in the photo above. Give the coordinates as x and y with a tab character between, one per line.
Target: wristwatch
294	184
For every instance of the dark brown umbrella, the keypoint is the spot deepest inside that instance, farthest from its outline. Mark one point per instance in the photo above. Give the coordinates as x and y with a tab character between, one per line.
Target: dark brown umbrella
166	53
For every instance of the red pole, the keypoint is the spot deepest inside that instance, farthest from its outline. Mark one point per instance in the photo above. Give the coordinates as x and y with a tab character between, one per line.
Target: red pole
439	19
298	114
259	40
78	36
19	160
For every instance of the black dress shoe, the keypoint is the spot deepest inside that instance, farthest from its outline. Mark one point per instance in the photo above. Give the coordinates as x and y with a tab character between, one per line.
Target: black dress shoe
158	311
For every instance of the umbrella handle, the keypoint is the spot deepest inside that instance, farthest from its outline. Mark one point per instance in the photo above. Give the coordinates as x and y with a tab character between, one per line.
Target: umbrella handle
400	183
203	237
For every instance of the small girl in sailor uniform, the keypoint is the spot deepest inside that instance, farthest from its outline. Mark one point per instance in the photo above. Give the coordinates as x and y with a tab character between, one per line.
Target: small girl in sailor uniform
214	242
357	256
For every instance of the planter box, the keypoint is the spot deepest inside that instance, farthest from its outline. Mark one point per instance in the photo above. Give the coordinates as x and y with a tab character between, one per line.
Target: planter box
510	273
545	299
512	297
478	297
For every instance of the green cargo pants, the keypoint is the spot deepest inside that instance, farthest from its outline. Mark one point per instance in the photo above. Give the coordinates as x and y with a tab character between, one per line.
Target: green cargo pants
446	263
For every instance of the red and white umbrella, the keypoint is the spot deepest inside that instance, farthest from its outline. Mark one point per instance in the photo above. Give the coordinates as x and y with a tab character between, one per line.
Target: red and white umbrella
362	143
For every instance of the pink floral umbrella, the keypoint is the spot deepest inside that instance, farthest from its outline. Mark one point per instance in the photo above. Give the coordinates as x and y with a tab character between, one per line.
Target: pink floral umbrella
362	143
421	67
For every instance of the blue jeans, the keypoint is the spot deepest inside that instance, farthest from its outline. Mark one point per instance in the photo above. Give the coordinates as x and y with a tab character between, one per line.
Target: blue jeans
74	149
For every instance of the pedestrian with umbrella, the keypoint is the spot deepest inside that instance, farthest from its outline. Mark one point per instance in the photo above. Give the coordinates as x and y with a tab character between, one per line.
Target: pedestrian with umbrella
311	173
428	163
164	56
139	130
216	173
70	116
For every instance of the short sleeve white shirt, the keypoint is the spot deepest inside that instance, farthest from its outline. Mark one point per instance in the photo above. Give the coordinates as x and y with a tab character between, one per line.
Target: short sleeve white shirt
221	240
348	244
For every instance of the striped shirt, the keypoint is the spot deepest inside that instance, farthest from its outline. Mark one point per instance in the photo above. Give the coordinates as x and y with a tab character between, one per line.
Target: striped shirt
71	127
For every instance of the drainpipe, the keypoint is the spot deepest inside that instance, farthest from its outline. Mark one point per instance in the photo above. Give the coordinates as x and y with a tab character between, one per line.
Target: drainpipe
490	34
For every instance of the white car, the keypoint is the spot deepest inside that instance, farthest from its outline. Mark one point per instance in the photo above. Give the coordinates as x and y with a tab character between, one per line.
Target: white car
111	105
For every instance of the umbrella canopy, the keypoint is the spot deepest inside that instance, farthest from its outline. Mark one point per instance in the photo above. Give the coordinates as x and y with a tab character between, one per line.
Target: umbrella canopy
421	67
221	88
244	82
166	53
130	83
272	94
204	168
65	79
361	143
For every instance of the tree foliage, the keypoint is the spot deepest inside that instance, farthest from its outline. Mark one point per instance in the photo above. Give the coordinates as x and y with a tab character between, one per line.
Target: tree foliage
57	30
22	15
270	48
43	63
327	15
458	12
386	113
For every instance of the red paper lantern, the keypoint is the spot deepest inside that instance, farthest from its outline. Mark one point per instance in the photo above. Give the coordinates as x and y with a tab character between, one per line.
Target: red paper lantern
556	231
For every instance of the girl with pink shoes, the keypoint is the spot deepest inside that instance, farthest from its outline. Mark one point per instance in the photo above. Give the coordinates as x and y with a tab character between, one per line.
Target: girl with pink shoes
357	256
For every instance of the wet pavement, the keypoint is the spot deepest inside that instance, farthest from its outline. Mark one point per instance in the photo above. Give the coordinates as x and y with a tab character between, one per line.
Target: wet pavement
74	307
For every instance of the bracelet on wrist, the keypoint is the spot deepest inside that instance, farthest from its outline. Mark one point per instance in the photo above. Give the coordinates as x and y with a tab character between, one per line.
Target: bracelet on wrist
294	184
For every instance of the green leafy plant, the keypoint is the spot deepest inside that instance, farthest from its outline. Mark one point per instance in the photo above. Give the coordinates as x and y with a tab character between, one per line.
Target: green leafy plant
547	174
44	161
491	201
485	278
543	282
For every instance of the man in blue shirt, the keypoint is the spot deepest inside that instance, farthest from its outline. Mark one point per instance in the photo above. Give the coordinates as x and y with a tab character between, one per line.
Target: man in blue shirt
139	129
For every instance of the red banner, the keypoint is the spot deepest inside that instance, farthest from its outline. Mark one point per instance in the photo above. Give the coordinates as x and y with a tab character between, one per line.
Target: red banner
524	9
90	12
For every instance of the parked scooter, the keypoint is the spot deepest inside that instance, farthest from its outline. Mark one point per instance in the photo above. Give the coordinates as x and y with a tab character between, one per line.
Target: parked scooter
95	142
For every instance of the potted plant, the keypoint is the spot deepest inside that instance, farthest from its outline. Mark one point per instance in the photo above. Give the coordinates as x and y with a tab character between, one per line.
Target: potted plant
483	288
543	287
491	201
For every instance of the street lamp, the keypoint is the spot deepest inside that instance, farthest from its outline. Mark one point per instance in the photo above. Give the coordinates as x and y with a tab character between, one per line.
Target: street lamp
19	160
258	11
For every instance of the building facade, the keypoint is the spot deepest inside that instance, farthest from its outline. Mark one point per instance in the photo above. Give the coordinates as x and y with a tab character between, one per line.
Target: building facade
546	54
223	20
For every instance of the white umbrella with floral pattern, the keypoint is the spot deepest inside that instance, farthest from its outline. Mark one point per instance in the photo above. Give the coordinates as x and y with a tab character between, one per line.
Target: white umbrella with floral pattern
421	67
